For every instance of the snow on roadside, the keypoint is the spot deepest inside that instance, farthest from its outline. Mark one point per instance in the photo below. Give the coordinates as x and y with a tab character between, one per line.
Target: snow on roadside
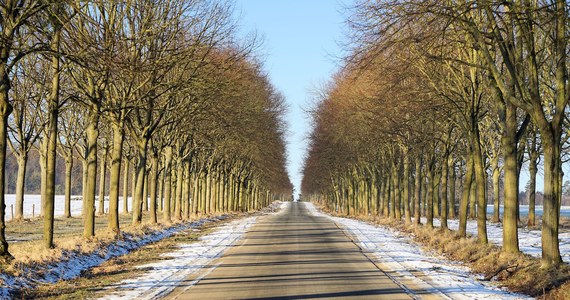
73	263
163	276
529	240
399	255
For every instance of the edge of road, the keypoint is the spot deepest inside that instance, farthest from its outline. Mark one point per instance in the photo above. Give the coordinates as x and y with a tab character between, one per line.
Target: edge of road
417	288
198	275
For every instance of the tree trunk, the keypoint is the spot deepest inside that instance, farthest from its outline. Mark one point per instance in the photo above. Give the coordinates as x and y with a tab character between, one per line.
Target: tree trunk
444	201
397	196
160	199
430	194
5	110
102	173
126	188
167	184
551	207
520	159
406	194
179	185
473	198
532	192
184	199
68	170
20	184
418	190
49	204
172	191
509	150
424	194
533	169
462	230
85	175
145	191
133	185
43	173
551	137
240	186
153	178
389	206
188	190
140	170
436	199
480	185
115	177
496	195
92	131
452	189
208	195
196	194
379	195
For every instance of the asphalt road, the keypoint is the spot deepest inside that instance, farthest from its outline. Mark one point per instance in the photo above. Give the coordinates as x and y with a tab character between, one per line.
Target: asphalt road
292	255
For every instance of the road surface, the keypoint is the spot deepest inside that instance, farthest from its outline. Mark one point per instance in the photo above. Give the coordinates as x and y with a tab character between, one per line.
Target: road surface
291	255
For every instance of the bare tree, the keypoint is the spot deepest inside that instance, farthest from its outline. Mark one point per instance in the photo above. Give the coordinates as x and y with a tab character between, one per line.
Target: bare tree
25	124
14	25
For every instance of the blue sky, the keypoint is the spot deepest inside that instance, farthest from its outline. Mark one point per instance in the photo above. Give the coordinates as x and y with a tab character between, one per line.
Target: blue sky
300	50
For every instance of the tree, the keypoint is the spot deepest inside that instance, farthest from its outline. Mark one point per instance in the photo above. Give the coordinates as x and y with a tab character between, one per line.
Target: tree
70	134
14	25
526	70
87	45
25	124
58	16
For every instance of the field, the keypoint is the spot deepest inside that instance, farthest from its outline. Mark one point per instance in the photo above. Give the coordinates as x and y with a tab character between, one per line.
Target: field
32	205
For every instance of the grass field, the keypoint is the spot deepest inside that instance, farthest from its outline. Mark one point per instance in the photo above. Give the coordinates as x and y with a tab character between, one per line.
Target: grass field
32	228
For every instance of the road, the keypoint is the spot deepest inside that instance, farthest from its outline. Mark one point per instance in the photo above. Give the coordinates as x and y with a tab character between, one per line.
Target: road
291	255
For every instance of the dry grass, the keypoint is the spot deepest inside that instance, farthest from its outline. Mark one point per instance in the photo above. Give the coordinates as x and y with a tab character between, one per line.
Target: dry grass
520	273
32	229
98	279
565	222
28	249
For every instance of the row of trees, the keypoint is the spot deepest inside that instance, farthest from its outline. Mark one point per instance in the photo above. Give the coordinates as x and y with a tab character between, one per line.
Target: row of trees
165	86
439	93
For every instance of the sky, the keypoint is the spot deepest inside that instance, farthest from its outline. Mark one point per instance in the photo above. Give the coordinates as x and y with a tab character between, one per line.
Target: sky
301	48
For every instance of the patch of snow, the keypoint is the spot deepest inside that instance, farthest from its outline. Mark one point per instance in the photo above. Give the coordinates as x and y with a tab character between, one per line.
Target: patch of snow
73	263
6	281
163	276
282	207
405	262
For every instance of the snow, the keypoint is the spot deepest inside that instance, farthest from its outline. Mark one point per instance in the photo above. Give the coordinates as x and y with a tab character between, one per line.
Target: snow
529	240
408	265
32	205
523	209
73	263
163	276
